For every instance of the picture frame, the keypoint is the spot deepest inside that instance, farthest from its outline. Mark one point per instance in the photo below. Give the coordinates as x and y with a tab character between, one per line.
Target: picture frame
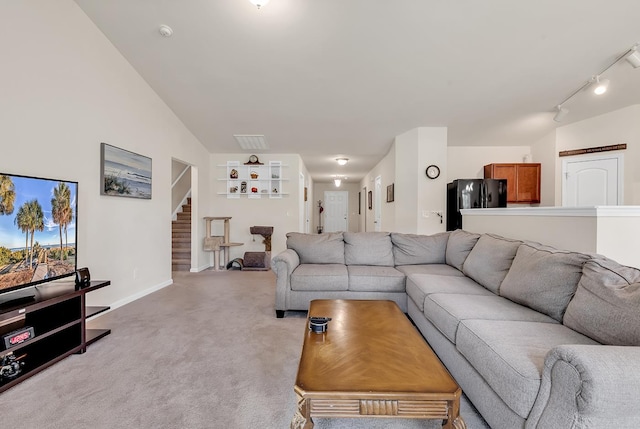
359	202
305	193
390	194
124	173
370	199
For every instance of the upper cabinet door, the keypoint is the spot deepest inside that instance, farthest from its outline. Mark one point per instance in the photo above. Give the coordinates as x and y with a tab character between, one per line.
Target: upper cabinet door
523	181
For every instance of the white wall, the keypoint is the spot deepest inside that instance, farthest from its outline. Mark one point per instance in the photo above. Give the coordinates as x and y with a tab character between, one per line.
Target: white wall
467	162
65	89
281	213
432	193
544	152
386	170
620	126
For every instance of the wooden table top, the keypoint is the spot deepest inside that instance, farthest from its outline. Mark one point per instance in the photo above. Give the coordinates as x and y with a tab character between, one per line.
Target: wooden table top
370	347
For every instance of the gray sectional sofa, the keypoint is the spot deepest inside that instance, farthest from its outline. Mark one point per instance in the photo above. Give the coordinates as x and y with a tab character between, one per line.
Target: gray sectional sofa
535	336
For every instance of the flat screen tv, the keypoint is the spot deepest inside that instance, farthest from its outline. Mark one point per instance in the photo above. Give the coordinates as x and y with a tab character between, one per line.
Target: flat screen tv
38	232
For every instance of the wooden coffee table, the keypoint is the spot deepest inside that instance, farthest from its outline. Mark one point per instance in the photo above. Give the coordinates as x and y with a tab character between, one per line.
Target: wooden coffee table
371	362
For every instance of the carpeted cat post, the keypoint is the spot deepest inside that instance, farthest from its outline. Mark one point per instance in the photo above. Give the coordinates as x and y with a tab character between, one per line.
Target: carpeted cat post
259	261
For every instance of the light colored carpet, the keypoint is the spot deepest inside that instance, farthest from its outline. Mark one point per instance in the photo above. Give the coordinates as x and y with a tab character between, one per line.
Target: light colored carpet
205	352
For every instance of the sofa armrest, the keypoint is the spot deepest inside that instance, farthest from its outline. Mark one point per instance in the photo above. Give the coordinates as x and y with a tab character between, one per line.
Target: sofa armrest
588	386
283	265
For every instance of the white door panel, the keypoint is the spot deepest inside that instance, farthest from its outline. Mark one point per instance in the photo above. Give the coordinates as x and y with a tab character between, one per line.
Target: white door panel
595	181
336	207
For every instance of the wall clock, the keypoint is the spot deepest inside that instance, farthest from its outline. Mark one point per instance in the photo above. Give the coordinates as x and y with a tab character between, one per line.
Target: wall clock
433	171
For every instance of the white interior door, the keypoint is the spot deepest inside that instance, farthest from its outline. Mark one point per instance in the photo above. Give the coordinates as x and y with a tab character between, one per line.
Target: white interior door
336	208
377	203
592	181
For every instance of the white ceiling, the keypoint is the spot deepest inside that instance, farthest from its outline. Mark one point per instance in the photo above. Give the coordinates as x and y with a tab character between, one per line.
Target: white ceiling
330	78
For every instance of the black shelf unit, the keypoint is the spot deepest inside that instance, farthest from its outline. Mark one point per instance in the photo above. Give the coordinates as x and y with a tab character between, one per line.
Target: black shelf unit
58	315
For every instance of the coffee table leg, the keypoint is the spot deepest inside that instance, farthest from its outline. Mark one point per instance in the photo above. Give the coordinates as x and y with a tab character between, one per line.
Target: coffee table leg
302	419
455	421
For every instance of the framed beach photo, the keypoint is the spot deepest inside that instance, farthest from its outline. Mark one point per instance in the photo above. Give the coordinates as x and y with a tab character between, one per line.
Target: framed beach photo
124	173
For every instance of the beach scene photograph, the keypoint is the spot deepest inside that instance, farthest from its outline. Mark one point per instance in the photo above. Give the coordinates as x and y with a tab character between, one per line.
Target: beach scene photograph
125	173
37	229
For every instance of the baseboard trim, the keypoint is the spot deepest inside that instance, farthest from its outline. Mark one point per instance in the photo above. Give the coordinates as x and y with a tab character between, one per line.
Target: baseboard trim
134	297
202	268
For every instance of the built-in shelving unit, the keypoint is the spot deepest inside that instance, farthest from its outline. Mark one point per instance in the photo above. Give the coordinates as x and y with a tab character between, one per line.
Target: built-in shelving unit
253	180
58	314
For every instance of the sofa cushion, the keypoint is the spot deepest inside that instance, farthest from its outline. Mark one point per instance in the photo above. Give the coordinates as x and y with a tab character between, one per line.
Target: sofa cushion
509	355
320	277
446	311
419	286
317	248
606	306
459	245
367	278
490	260
437	269
412	249
368	248
543	278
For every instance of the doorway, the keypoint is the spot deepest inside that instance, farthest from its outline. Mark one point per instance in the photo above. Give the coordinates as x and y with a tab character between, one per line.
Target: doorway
336	208
592	181
377	202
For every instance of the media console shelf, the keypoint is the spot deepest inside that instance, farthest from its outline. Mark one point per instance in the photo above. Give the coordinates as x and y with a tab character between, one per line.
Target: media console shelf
58	315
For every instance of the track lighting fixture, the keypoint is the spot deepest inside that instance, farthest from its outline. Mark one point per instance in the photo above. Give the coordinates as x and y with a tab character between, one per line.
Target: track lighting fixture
634	57
600	85
561	112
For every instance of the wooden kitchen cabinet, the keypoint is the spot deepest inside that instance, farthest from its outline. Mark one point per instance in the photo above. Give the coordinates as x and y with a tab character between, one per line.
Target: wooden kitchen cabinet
523	181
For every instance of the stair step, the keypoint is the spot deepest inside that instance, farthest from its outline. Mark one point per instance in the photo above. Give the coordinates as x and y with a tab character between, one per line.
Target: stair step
181	254
181	267
180	228
186	208
177	234
181	245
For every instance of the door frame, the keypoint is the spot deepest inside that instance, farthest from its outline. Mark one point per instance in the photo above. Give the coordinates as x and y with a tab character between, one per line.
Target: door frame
597	157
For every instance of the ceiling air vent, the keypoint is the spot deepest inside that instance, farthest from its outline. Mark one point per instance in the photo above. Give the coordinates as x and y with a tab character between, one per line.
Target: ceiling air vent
251	142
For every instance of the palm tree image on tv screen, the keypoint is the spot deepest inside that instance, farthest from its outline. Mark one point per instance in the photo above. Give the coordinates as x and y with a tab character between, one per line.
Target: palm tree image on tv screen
37	219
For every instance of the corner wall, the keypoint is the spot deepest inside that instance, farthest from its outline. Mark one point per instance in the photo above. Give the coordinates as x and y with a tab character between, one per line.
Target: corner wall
66	89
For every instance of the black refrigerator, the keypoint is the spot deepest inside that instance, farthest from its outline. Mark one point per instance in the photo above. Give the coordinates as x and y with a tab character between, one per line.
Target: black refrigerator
473	194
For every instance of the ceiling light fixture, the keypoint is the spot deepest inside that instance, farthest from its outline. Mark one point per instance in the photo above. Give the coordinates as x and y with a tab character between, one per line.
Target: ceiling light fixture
337	182
165	31
634	57
259	3
342	161
599	85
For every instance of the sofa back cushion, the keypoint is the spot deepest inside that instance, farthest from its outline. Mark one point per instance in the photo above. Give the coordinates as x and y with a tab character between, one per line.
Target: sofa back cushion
368	248
490	260
543	278
412	249
606	306
459	245
317	248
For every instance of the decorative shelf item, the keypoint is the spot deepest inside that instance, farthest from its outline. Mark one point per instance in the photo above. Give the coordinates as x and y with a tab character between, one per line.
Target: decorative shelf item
253	179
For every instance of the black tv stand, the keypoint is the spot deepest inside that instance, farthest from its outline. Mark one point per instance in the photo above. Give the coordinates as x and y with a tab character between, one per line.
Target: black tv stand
16	302
58	315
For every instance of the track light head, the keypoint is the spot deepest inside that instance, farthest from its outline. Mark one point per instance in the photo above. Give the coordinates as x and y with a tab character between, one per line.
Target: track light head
600	85
634	58
561	113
